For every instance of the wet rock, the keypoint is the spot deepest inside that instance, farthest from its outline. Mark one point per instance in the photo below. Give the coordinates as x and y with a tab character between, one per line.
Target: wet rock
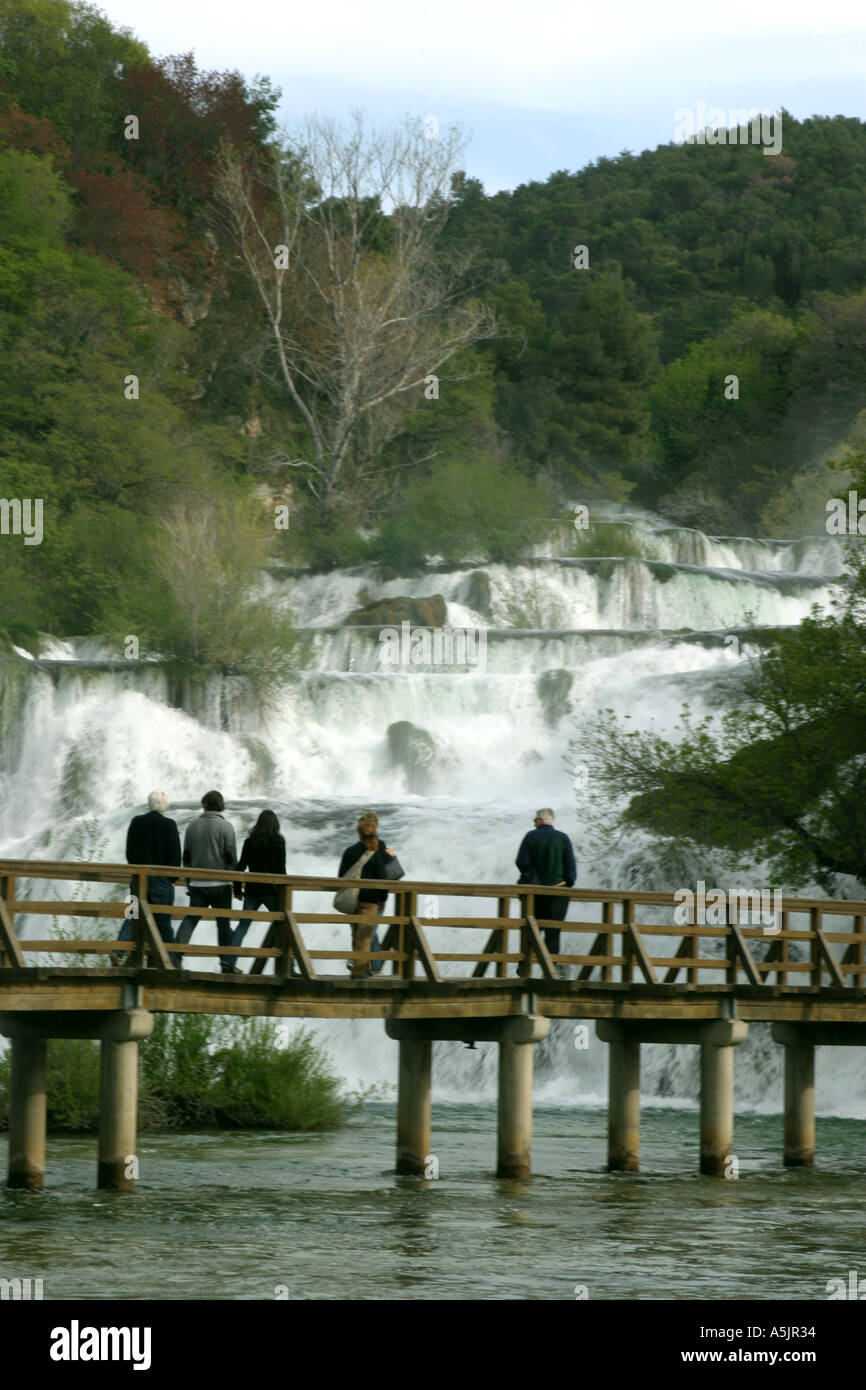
475	593
412	749
391	612
554	688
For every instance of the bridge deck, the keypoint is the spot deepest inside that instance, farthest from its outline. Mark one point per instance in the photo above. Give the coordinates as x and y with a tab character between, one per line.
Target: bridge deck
46	990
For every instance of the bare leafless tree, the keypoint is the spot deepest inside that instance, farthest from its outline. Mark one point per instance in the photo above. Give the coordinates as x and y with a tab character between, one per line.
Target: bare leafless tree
340	235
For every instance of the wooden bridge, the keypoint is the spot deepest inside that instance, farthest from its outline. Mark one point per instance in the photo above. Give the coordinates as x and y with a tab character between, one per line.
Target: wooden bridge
636	972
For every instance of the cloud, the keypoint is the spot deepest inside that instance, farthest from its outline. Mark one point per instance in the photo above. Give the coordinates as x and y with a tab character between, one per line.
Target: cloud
543	86
547	55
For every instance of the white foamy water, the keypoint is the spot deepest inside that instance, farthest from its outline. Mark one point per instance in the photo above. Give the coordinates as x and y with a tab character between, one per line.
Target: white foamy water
85	736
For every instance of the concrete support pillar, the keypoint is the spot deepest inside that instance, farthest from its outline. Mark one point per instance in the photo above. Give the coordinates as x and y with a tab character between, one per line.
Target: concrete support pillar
799	1105
414	1105
623	1112
27	1114
117	1166
118	1108
514	1133
516	1035
717	1108
717	1039
799	1041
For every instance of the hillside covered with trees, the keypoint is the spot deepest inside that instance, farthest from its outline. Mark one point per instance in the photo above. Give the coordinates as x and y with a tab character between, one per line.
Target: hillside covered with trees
420	366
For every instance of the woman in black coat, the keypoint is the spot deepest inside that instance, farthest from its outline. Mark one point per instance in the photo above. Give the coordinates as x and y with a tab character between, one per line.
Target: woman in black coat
264	852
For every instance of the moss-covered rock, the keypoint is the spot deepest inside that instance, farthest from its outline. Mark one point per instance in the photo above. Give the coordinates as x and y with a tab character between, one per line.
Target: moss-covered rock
391	612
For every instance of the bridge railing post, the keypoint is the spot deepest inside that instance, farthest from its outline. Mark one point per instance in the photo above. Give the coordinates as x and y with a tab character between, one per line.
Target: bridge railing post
283	963
405	904
815	946
10	951
695	952
527	910
732	917
782	975
627	968
139	935
503	909
607	921
397	935
146	934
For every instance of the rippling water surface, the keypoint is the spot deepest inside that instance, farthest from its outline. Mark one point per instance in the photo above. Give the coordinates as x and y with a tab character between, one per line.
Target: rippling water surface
236	1216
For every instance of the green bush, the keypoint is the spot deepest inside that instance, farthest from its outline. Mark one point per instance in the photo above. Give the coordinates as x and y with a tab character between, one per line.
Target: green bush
198	1072
279	1088
482	510
603	539
317	545
71	1083
177	1071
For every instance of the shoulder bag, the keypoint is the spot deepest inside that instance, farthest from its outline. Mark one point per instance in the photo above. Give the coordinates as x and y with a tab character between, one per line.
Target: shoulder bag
346	899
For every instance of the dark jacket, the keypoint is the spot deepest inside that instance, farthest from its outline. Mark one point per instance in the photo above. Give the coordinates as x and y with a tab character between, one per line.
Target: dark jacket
257	858
549	854
153	839
374	868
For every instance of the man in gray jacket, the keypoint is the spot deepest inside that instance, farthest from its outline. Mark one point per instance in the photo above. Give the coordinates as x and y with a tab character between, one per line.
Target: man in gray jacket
209	843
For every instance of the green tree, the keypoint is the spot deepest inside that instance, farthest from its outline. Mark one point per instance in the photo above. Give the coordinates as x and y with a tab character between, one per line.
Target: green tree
781	777
73	332
199	604
64	61
486	510
717	415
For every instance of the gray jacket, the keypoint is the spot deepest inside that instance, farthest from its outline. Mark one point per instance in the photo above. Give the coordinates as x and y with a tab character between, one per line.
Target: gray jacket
209	843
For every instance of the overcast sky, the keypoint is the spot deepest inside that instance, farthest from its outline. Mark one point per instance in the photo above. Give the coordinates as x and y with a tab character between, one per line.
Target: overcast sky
538	85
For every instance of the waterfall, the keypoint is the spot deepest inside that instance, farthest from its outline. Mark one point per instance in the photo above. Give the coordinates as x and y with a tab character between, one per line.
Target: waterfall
85	735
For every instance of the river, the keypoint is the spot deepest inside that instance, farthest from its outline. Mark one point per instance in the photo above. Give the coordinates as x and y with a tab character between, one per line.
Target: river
275	1216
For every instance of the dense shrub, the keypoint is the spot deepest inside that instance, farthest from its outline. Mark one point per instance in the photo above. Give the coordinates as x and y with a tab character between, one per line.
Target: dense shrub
481	509
289	1087
72	1085
199	1072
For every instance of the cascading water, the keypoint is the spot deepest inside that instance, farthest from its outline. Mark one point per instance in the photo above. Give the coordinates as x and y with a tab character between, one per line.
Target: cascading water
85	735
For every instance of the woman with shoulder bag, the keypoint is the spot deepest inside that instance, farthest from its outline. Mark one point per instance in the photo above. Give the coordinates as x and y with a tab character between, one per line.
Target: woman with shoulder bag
369	858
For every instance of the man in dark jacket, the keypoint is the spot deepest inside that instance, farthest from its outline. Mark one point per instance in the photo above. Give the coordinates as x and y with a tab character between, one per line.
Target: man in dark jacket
209	843
153	838
546	856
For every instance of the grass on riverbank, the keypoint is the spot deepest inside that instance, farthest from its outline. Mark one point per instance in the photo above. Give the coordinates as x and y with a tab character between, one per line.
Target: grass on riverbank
198	1071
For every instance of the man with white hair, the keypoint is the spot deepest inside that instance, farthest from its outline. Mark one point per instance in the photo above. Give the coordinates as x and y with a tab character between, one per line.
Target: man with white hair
546	856
153	838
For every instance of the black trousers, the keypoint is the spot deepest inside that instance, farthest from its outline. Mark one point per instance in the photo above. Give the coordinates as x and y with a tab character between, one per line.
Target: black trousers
207	897
552	910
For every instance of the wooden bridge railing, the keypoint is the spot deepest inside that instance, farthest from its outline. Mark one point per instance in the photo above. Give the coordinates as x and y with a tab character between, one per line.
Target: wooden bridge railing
622	948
